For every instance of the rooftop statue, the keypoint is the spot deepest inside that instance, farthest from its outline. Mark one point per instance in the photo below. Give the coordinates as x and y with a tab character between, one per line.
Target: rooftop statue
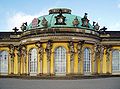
24	26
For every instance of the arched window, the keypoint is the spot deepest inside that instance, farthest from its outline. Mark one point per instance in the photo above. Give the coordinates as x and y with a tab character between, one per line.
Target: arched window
33	61
116	60
87	60
3	62
60	60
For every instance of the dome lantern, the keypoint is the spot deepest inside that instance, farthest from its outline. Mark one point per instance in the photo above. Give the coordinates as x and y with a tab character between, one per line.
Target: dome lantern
56	11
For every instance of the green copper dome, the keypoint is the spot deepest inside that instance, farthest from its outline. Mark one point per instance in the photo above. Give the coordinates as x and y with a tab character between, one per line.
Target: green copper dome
51	20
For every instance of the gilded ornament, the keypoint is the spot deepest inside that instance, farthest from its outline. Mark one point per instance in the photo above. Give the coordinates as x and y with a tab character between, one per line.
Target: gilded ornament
75	22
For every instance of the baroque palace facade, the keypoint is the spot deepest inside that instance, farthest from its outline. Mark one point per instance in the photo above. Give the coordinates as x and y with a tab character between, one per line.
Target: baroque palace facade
60	44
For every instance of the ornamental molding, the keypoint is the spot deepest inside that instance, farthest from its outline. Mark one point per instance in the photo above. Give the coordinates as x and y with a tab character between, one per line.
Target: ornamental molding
58	38
60	34
59	30
111	42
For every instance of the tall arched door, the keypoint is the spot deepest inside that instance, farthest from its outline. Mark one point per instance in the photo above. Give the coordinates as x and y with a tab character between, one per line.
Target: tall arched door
116	61
3	62
87	61
33	62
60	61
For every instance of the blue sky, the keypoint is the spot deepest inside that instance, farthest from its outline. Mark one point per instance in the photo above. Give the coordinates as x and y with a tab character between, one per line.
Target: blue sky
15	12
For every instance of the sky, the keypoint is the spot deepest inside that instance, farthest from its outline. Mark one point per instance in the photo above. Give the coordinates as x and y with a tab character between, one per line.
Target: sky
14	12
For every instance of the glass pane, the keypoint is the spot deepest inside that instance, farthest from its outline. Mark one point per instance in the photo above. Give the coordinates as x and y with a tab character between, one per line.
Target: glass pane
115	60
4	62
87	60
60	60
33	60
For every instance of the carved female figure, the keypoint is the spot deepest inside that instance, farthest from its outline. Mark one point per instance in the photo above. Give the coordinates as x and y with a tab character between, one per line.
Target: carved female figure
71	49
11	51
41	51
48	50
79	50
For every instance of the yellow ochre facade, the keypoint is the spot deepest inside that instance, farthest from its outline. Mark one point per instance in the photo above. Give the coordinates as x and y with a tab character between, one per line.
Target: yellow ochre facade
60	44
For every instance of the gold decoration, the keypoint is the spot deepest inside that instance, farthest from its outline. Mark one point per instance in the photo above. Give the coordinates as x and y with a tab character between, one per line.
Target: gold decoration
75	22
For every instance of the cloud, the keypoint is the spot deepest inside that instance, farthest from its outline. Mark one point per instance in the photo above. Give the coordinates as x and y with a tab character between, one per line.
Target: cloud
119	5
18	18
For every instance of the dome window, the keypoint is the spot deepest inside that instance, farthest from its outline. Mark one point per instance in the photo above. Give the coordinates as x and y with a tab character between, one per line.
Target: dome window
60	19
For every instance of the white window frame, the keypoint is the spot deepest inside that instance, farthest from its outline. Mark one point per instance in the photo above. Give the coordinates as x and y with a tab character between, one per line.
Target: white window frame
34	63
117	58
60	60
3	62
87	59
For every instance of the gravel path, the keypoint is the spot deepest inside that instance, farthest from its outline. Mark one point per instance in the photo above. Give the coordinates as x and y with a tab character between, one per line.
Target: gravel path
102	83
